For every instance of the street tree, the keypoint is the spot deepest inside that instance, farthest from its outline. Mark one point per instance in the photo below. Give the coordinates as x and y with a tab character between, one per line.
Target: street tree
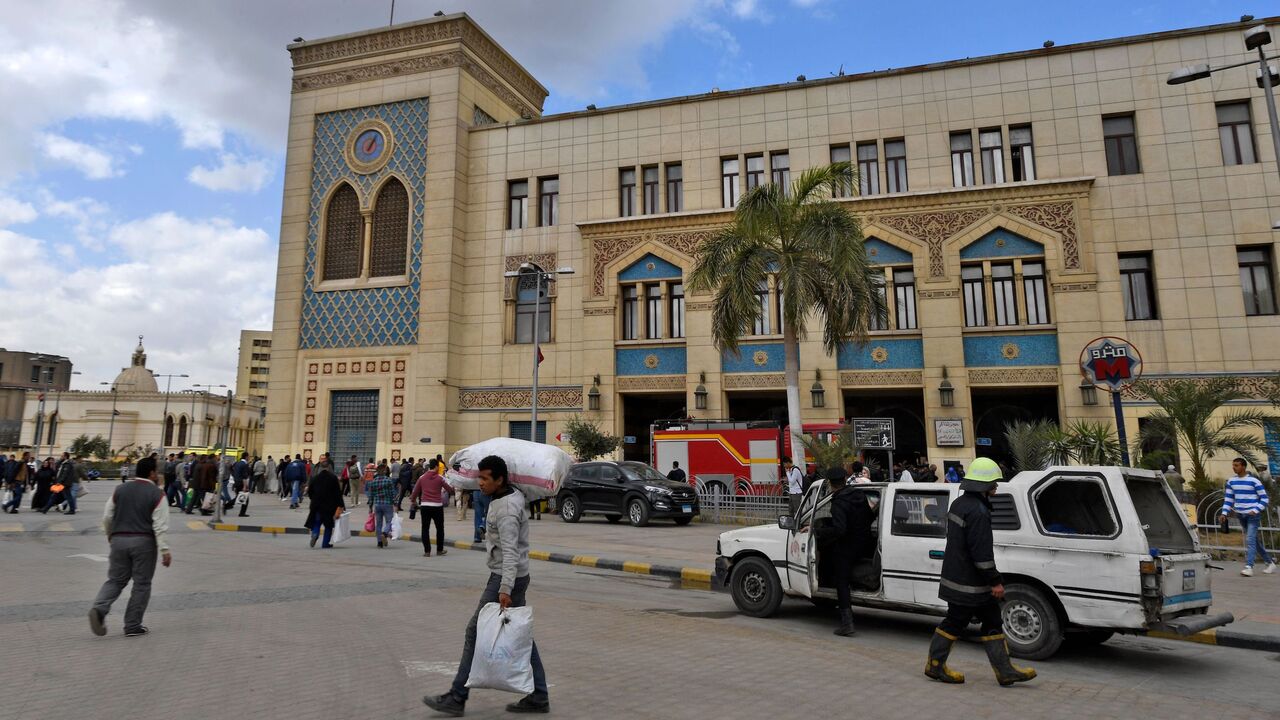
85	446
813	249
588	440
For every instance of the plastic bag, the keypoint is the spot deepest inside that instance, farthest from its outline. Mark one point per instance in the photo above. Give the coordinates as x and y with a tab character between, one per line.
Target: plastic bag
342	528
397	526
535	469
504	648
369	524
242	498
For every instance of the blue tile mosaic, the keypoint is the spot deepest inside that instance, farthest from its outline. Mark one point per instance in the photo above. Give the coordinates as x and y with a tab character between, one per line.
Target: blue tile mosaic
1272	437
1010	350
376	316
757	357
880	252
1000	243
882	354
641	270
650	361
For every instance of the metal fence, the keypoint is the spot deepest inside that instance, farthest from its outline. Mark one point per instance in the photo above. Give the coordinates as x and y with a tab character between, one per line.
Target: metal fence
721	507
1209	525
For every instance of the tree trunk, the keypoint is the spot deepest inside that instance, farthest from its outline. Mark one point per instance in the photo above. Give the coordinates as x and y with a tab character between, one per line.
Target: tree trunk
791	346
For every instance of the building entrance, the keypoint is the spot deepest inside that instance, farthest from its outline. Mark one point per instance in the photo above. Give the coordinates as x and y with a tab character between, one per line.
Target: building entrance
353	424
994	408
641	411
758	406
907	410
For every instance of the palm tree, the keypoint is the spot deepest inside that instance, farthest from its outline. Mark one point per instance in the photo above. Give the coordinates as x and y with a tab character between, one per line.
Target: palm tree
813	247
1186	418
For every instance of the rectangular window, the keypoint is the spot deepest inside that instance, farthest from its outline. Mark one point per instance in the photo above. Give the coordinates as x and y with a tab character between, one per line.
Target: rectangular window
962	159
549	201
878	321
840	154
35	373
868	169
729	182
1236	134
904	298
1021	153
626	192
1077	507
780	166
1137	287
762	325
991	144
653	311
1004	297
677	310
975	300
918	514
517	204
630	312
895	165
675	187
650	177
755	172
1255	280
1034	289
1121	143
519	429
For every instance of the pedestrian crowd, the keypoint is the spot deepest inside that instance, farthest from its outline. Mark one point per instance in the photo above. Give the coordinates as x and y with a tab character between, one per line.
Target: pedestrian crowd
56	484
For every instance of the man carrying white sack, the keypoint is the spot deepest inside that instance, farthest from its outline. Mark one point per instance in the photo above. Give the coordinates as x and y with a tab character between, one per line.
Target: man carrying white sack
507	541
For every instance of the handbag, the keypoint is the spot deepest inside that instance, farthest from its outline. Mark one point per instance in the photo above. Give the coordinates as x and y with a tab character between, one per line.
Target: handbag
57	487
81	490
369	524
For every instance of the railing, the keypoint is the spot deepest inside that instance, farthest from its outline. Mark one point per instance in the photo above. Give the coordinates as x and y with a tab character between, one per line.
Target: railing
1212	537
720	507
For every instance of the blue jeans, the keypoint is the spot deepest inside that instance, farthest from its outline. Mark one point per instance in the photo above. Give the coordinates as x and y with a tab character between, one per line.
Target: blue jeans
382	514
328	531
1253	544
297	492
174	493
480	502
490	594
17	497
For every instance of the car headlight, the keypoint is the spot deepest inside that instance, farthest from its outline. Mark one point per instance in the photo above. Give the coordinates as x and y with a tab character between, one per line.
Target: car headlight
656	490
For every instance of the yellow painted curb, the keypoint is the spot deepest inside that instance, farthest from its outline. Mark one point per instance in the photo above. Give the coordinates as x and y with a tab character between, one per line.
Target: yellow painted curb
225	526
1208	637
695	575
196	525
585	560
464	545
636	567
539	555
11	528
271	529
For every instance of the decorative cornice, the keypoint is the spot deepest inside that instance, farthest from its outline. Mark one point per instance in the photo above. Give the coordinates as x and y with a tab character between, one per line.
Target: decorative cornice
933	229
874	378
517	398
598	311
546	261
932	294
700	306
1014	376
754	381
607	248
1259	386
1059	217
642	383
1075	287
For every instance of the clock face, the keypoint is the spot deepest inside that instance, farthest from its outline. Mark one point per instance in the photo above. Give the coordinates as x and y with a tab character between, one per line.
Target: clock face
369	146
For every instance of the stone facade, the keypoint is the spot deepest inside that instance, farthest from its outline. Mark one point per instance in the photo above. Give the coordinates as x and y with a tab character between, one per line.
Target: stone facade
461	123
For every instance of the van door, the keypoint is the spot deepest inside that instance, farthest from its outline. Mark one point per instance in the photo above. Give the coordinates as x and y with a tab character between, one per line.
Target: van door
912	546
801	570
1184	581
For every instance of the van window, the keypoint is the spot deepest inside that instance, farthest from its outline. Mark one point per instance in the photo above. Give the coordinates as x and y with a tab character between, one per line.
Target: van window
806	507
917	514
1075	506
1161	519
1004	513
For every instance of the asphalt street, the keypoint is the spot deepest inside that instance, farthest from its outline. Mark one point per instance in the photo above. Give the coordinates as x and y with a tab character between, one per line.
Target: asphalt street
256	625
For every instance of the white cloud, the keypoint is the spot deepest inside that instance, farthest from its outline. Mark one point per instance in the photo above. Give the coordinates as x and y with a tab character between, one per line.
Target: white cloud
93	163
232	174
15	212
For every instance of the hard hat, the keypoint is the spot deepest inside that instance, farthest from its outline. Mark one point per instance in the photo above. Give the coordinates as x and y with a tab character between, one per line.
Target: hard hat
980	475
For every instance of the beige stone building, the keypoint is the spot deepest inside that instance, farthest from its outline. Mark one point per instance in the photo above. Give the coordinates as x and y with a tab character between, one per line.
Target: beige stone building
254	365
1021	205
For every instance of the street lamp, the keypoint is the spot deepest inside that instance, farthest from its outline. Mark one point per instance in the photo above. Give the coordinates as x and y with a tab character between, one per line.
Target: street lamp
700	392
946	391
111	428
207	388
541	277
817	392
164	418
1088	392
593	395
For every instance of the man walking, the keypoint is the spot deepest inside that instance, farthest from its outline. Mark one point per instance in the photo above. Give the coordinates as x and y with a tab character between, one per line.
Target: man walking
795	485
16	475
507	542
135	520
845	540
971	585
1246	496
70	473
294	476
204	477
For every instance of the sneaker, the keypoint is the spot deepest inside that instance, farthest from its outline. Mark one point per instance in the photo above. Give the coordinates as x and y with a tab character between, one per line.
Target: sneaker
1247	571
445	704
69	512
529	704
1271	567
96	623
442	551
137	632
314	538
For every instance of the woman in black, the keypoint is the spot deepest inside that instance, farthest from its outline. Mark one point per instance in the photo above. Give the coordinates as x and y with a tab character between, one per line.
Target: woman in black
326	505
44	480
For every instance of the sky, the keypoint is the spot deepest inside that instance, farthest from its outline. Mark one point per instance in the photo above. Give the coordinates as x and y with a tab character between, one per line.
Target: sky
143	140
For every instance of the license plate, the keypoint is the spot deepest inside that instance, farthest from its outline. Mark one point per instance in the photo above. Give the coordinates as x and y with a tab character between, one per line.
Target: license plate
1188	579
686	508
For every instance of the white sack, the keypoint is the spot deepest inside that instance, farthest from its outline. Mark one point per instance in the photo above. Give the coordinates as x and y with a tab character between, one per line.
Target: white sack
536	469
504	648
341	528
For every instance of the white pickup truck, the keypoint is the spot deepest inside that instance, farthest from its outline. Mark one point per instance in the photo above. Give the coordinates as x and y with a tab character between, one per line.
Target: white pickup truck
1086	552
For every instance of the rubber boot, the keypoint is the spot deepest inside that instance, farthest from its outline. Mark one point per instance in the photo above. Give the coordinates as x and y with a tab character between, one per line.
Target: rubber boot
939	650
846	624
998	653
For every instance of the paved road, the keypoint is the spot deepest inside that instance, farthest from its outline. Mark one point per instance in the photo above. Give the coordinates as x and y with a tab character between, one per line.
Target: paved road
258	626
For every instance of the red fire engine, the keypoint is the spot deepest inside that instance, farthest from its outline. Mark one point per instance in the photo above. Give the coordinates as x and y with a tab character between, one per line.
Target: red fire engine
742	458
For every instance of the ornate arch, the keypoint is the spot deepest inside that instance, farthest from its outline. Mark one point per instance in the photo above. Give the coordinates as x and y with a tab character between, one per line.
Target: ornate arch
1001	221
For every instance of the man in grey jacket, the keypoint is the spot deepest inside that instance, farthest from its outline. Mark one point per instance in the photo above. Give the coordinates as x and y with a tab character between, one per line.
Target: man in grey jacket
507	541
135	520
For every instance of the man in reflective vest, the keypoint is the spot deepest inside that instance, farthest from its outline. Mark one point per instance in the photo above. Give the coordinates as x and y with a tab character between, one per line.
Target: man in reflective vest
970	583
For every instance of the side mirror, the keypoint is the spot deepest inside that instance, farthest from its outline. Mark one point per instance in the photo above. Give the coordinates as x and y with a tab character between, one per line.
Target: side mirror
786	522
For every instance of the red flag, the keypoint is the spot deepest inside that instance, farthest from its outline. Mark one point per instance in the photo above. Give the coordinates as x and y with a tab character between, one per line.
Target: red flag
540	356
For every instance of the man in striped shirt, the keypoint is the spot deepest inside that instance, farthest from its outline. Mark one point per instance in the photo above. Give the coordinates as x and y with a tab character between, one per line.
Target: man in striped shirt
1246	496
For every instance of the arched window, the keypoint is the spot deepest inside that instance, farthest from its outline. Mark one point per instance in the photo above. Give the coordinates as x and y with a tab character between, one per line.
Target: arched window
168	431
531	299
343	235
390	231
53	429
182	431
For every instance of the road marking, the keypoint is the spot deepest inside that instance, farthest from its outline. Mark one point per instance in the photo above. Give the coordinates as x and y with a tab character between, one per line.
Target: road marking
196	525
421	668
95	558
11	528
62	527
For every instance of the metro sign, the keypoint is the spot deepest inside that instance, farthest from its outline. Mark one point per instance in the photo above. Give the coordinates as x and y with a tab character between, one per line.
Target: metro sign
1111	363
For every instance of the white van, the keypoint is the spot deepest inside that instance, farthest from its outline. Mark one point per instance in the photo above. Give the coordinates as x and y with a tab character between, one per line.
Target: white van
1085	552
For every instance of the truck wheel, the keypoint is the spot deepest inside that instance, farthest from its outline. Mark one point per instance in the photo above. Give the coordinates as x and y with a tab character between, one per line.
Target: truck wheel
1088	638
638	512
1031	623
682	521
570	509
613	518
755	587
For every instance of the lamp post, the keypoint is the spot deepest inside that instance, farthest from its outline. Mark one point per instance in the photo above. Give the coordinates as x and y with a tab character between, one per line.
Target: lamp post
57	409
111	428
1254	39
541	277
207	388
164	418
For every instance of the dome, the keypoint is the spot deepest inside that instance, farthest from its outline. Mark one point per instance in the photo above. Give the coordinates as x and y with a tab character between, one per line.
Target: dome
136	377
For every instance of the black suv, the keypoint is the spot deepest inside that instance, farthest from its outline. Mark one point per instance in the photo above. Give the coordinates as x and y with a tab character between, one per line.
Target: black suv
633	489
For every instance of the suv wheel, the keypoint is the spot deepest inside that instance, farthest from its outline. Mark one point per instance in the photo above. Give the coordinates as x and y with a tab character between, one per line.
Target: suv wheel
1031	623
638	512
570	509
755	587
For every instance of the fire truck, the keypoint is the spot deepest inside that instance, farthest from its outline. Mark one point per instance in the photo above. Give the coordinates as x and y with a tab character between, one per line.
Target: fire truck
727	456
